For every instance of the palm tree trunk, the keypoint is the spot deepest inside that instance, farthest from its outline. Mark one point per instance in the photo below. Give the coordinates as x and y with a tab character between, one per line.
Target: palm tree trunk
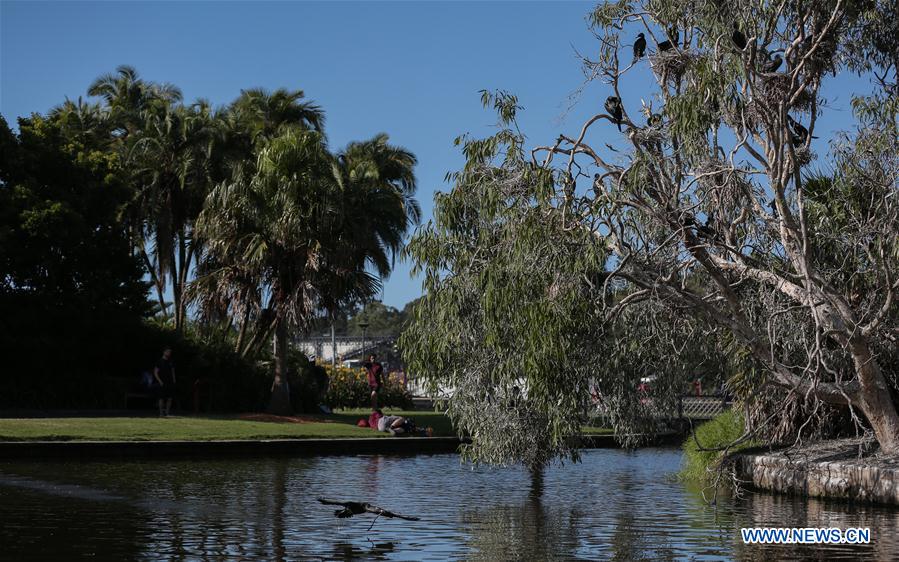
238	347
178	275
280	401
155	280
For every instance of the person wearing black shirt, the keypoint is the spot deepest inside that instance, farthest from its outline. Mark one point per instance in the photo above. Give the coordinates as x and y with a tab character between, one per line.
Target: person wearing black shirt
164	373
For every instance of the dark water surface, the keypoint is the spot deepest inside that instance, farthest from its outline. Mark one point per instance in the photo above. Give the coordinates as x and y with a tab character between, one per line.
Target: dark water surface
615	505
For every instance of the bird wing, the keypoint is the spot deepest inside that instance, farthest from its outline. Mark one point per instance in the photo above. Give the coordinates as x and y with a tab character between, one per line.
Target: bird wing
385	513
331	502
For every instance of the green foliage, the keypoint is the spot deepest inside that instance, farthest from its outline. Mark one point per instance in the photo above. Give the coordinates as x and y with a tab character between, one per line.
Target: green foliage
700	464
382	320
502	320
308	383
348	388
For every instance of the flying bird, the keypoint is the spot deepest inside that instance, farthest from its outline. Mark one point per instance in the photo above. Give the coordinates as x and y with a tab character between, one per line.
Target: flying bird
738	38
613	106
358	508
639	47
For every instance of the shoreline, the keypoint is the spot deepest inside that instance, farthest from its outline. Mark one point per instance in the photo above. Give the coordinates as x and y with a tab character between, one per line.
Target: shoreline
85	449
843	469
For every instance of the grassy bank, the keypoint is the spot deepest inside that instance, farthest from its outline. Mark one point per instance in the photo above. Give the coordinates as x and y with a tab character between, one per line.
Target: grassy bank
341	424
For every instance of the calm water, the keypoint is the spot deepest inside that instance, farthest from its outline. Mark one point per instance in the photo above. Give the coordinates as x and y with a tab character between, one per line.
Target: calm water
614	505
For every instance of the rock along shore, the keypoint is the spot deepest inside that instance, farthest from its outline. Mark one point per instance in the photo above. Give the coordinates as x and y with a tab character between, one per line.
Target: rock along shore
847	469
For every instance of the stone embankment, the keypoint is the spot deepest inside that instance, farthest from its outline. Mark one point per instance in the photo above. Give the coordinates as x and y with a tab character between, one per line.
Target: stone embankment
849	469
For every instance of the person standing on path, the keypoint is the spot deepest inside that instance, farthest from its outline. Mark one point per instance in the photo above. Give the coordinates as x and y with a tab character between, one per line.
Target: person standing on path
164	373
375	379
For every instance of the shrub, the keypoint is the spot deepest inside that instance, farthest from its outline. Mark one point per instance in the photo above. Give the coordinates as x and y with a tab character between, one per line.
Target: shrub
348	388
308	383
699	465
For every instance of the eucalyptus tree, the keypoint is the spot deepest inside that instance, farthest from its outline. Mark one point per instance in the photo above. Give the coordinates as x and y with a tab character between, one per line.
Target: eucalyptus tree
704	210
266	231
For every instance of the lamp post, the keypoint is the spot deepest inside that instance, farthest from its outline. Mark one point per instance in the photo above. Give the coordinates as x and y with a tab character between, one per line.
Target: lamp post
364	326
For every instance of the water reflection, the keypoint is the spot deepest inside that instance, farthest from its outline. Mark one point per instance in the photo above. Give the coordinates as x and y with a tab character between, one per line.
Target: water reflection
613	506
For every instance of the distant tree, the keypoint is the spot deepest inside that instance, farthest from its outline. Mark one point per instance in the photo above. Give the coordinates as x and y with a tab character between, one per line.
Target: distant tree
382	320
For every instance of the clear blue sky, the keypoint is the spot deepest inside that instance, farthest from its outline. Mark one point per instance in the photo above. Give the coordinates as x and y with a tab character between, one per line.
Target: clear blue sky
412	70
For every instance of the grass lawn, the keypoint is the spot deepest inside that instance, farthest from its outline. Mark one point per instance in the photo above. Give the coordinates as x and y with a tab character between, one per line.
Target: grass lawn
341	424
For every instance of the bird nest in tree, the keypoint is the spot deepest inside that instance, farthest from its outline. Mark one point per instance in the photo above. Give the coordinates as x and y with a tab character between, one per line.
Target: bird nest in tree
648	136
671	64
751	115
776	88
722	188
804	156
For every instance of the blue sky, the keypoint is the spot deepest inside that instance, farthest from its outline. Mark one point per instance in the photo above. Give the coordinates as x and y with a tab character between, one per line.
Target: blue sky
412	70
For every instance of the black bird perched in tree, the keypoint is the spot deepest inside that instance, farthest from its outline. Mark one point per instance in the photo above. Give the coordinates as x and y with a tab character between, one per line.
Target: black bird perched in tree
674	34
799	133
613	106
639	47
358	508
738	38
673	38
655	120
772	64
702	230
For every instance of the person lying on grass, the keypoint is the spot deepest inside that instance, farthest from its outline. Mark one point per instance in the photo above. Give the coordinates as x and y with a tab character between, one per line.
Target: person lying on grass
394	425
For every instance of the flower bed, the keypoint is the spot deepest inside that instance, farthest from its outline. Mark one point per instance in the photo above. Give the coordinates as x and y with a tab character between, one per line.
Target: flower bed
348	388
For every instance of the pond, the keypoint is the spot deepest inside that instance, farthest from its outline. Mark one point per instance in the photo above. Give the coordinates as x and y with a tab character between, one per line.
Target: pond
615	505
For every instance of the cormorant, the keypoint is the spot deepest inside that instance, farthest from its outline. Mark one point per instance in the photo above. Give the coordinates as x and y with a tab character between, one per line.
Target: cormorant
358	508
799	133
671	40
639	47
738	38
772	64
613	106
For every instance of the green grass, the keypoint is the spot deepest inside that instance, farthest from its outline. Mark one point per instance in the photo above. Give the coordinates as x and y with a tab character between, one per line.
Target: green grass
341	424
720	431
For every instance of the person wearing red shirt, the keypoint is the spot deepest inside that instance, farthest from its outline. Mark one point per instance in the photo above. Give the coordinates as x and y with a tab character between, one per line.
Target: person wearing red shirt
375	371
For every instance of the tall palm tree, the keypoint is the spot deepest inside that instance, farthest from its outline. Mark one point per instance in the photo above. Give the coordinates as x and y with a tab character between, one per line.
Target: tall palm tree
169	158
243	130
266	114
377	186
127	95
271	226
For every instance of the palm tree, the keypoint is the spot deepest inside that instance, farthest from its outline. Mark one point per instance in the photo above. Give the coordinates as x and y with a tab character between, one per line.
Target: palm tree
242	131
127	95
169	158
377	185
88	122
271	226
266	114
